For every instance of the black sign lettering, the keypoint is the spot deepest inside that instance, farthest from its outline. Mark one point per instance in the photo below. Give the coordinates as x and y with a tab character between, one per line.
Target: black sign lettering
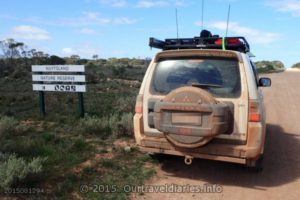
63	88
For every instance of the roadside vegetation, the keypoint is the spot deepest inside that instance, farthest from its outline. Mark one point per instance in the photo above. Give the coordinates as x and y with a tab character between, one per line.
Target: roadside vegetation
297	65
51	157
269	66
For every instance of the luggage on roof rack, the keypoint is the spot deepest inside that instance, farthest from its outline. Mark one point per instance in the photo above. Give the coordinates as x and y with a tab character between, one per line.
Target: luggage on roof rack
214	42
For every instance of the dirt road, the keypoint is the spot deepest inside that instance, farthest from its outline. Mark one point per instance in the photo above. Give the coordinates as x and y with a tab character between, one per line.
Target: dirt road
280	178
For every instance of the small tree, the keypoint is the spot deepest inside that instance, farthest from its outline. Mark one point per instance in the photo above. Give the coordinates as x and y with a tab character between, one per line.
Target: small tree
95	57
55	60
75	57
11	48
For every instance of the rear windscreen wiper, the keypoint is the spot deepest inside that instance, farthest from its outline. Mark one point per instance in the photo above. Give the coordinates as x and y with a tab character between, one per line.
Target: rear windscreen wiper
204	85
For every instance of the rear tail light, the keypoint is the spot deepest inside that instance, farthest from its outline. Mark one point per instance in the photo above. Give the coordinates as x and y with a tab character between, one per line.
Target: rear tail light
228	41
254	111
139	104
219	41
233	41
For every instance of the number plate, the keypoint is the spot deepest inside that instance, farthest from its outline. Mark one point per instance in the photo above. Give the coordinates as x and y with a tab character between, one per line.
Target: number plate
187	118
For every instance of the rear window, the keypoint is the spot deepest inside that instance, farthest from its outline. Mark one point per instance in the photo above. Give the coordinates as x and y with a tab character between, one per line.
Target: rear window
219	76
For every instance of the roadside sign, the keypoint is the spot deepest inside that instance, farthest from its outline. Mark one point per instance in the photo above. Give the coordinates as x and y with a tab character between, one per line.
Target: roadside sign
63	78
57	68
58	78
59	88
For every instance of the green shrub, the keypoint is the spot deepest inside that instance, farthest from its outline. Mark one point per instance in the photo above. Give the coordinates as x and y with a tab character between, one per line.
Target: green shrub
14	169
109	163
7	125
121	126
20	72
126	104
79	145
10	126
118	71
126	125
91	124
115	124
95	125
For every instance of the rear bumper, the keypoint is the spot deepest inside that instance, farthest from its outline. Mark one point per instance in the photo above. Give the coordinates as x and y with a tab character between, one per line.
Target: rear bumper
214	151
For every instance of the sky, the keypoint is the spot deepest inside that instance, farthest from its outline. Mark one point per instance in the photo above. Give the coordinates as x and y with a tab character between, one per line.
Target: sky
121	28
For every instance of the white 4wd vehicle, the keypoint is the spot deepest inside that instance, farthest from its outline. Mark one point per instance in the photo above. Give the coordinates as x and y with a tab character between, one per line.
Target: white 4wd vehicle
200	98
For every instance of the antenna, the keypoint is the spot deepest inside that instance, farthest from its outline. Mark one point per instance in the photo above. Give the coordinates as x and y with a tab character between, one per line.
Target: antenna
202	15
176	22
228	15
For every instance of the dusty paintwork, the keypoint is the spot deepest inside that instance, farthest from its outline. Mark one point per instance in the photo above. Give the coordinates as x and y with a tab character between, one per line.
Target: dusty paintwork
191	122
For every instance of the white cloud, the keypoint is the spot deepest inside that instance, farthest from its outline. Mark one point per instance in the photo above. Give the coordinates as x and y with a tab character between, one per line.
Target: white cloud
88	50
114	3
150	4
29	33
68	51
140	3
285	6
124	20
87	31
84	51
254	35
159	3
85	19
34	19
94	18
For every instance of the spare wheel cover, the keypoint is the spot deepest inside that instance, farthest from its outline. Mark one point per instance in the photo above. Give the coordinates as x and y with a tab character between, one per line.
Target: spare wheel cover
186	117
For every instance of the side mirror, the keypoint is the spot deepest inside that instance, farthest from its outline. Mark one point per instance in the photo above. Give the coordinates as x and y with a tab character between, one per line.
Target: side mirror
264	82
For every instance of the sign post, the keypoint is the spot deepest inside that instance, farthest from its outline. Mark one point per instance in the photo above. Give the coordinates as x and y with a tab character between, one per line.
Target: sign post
59	78
42	103
80	104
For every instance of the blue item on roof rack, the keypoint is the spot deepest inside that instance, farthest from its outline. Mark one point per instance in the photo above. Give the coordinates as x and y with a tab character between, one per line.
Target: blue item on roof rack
214	42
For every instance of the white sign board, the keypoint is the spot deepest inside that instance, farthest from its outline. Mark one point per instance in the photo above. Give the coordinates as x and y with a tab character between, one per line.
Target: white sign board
59	87
57	68
58	78
57	74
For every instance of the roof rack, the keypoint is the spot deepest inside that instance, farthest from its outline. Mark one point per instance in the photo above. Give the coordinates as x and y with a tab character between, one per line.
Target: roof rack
213	42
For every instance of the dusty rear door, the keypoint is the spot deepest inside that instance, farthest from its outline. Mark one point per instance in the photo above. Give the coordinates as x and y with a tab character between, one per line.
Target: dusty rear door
222	77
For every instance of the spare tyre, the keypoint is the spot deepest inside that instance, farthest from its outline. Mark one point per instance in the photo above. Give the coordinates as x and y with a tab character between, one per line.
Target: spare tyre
190	117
